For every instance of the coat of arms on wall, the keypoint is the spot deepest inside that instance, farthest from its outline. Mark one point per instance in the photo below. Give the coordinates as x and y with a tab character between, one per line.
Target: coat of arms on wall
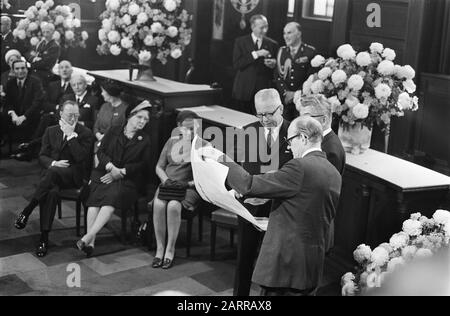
244	7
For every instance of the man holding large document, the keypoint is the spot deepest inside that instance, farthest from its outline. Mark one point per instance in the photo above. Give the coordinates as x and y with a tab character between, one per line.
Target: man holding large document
305	192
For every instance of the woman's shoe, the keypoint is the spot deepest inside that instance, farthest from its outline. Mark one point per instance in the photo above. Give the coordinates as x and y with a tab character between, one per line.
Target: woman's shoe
168	263
88	250
157	262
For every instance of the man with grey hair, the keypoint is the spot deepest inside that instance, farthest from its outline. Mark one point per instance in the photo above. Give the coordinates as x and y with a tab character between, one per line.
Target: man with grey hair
305	192
254	61
7	40
46	55
265	153
293	66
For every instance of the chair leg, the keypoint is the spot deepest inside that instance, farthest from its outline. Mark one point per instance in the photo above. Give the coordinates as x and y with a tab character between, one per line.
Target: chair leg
78	216
231	237
85	219
189	237
200	225
213	241
124	226
59	209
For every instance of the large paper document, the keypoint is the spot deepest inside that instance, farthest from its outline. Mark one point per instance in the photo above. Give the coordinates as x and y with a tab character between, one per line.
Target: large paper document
209	177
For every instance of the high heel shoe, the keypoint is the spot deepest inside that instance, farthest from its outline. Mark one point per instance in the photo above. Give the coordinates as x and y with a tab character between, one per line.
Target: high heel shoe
88	250
168	263
157	262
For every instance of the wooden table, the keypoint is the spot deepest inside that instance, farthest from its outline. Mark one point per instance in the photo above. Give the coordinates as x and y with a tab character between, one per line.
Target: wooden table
165	96
379	192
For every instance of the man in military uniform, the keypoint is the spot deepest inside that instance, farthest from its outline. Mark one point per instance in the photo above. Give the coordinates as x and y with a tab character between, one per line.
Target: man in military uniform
293	67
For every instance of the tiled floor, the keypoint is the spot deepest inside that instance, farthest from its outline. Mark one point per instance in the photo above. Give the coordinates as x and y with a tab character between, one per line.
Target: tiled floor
116	269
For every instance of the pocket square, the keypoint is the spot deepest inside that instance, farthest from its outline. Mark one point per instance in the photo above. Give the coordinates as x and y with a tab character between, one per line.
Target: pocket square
87	106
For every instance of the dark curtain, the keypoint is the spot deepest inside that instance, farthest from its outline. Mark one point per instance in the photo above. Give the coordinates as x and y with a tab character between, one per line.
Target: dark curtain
436	58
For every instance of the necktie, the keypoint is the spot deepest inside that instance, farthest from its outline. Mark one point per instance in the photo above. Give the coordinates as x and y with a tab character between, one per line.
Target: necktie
257	44
78	101
269	141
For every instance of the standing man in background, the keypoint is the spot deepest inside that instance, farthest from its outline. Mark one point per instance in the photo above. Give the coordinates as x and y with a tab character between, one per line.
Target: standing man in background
293	67
254	60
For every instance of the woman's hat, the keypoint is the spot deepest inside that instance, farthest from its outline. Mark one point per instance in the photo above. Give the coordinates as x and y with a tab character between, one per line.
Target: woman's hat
10	53
144	105
112	88
184	115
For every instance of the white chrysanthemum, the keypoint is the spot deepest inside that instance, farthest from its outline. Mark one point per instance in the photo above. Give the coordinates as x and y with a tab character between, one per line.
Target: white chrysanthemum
149	41
346	52
387	246
170	5
355	82
442	217
21	34
102	35
399	240
76	23
66	10
389	54
394	263
404	101
113	5
408	72
415	216
145	55
56	36
172	31
68	23
34	41
324	73
334	101
176	53
412	227
338	77
424	253
48	4
362	253
383	91
142	18
386	68
39	4
157	27
115	50
351	101
29	14
349	289
376	48
126	19
363	59
134	9
59	20
410	86
126	43
348	277
409	252
33	26
113	36
107	25
317	61
43	13
307	85
69	35
360	111
317	86
84	36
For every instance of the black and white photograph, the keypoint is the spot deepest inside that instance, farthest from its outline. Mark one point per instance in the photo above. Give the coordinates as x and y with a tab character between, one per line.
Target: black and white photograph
225	152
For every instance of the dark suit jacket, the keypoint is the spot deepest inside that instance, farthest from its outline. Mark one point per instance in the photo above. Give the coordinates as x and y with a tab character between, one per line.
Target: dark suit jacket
29	103
78	151
88	107
279	154
134	156
306	193
7	44
332	147
54	95
252	75
49	52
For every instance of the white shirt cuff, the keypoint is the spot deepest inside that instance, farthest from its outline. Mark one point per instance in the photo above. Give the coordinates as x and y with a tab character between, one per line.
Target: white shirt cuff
53	163
74	135
255	55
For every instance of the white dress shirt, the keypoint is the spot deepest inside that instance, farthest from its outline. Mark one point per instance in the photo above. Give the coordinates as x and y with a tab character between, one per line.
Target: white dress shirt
310	151
254	38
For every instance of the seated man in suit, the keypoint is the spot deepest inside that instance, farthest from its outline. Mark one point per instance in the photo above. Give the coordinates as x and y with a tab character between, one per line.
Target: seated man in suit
49	114
65	155
23	102
318	107
254	61
305	193
270	132
47	52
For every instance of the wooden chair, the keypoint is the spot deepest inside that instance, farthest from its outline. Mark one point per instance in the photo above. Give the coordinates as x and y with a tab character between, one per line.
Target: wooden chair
225	219
78	196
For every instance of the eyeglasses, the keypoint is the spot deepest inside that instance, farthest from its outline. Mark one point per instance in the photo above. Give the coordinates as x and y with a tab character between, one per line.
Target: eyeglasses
72	115
289	140
267	115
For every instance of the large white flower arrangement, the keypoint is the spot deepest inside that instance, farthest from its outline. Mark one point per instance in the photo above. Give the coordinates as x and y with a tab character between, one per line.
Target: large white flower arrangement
364	87
420	237
68	31
145	29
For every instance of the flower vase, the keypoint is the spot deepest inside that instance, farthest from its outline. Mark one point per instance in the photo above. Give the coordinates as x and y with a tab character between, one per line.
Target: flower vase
355	138
145	73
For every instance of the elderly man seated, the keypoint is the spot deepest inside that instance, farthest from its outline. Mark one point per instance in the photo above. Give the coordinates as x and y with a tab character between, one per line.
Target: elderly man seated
49	114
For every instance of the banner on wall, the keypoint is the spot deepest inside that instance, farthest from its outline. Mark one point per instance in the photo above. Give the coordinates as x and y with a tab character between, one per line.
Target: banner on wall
219	15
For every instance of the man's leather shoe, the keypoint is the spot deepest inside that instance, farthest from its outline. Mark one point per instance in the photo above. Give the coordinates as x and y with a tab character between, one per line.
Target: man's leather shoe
21	221
22	157
42	249
23	146
168	263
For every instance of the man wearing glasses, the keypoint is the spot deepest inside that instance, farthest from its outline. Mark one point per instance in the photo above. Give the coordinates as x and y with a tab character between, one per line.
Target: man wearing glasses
65	156
272	153
305	193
